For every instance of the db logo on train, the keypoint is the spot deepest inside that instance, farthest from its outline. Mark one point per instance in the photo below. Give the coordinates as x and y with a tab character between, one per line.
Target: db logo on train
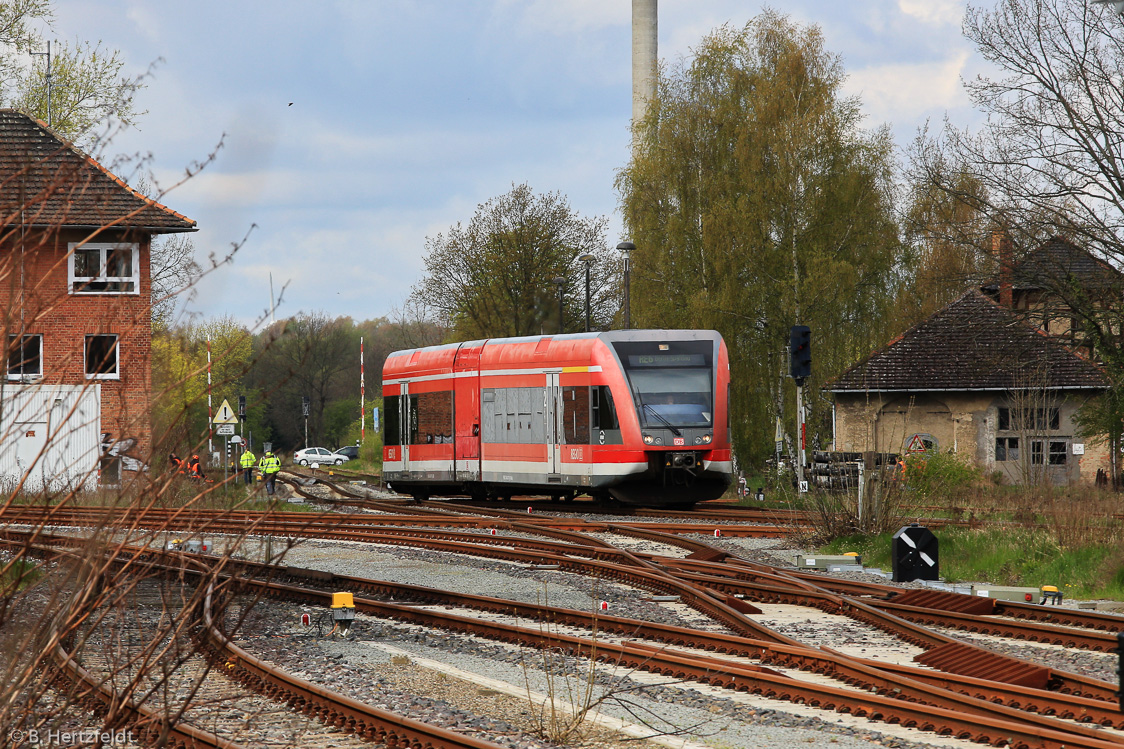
678	441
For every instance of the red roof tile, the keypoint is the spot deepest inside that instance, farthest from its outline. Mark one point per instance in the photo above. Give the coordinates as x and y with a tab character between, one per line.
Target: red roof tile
47	181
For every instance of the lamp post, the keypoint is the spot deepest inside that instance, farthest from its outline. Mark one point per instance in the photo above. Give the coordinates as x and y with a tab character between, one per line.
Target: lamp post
561	283
588	259
626	249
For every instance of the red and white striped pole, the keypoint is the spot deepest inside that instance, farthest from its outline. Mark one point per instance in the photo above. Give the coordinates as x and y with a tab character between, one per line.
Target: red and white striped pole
362	397
210	423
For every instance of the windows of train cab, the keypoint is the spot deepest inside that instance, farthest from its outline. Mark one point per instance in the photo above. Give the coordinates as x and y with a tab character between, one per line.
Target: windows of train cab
575	415
431	418
391	420
604	413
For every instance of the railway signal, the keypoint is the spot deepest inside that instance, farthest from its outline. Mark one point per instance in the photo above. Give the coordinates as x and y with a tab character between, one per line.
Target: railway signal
800	352
800	366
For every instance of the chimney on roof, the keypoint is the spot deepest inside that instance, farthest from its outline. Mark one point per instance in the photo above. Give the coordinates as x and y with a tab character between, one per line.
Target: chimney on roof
1004	252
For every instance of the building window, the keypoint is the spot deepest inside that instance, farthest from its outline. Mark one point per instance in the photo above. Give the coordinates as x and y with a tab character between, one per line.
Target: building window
101	357
1037	419
1006	448
25	356
1058	451
104	268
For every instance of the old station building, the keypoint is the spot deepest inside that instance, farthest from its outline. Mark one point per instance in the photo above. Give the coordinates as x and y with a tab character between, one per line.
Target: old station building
75	299
981	380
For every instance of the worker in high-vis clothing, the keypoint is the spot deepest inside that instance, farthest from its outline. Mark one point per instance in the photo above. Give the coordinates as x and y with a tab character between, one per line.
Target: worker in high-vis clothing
247	462
269	466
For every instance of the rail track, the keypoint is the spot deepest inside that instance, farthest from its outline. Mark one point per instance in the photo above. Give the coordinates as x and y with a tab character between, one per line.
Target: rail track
956	689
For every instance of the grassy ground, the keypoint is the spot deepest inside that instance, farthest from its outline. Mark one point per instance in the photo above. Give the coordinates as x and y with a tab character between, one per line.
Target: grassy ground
1071	537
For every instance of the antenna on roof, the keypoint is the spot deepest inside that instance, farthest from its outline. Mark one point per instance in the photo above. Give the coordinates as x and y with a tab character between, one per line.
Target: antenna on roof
46	54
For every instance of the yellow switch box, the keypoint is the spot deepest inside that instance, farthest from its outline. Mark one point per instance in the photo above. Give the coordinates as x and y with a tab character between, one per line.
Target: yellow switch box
342	601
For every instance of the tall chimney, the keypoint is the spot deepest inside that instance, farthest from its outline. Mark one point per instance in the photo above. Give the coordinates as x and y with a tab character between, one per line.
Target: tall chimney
1004	252
644	28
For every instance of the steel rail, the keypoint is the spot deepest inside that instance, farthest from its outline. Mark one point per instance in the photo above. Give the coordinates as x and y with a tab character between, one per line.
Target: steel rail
1027	687
98	696
848	669
913	703
332	708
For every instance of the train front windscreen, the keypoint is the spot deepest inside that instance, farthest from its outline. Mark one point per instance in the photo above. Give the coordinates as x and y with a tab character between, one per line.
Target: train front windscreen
672	383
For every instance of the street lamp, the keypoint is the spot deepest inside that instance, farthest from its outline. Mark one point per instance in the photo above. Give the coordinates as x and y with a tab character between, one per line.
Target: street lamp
588	259
561	283
626	249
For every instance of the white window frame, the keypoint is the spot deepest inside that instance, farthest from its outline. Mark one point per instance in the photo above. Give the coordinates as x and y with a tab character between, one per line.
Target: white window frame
8	365
105	247
116	374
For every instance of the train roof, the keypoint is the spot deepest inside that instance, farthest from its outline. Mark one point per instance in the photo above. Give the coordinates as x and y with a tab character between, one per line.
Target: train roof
609	336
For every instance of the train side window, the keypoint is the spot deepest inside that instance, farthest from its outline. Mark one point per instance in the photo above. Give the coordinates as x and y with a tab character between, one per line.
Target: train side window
391	421
604	413
575	415
431	418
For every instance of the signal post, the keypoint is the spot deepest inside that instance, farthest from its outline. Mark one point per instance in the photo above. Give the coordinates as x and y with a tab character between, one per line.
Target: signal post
800	367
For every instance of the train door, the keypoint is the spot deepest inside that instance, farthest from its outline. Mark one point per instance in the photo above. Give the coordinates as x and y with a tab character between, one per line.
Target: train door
554	424
405	414
466	403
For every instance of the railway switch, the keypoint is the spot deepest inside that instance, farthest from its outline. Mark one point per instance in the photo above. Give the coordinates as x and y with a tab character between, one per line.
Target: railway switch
343	612
913	552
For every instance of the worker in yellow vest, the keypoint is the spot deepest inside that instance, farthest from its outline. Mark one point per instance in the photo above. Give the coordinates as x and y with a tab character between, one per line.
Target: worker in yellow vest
269	466
247	462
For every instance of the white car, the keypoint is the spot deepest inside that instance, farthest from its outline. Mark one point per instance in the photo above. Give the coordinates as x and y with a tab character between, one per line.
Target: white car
318	455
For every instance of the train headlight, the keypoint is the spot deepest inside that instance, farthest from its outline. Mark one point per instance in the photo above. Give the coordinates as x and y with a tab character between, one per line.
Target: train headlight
706	438
648	439
659	440
698	440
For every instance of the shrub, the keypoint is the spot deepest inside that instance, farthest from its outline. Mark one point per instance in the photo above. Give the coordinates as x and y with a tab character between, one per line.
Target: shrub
939	473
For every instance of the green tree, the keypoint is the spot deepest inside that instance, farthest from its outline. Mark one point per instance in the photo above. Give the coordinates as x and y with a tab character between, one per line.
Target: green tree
86	88
493	277
308	356
946	241
756	201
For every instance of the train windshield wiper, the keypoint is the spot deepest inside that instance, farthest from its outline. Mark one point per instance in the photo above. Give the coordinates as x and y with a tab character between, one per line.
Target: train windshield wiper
659	416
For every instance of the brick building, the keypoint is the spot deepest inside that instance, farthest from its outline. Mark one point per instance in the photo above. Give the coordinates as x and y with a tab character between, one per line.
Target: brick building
75	304
977	379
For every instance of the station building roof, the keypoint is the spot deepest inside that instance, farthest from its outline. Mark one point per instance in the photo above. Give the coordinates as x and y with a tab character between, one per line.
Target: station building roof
972	344
46	181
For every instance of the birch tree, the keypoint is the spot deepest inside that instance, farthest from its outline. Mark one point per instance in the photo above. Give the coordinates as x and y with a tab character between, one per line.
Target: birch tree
756	201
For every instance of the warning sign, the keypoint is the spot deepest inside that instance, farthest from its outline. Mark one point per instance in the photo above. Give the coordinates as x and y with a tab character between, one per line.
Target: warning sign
921	443
225	414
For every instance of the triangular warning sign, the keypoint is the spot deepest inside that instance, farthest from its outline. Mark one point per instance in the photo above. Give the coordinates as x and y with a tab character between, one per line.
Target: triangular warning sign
916	444
225	414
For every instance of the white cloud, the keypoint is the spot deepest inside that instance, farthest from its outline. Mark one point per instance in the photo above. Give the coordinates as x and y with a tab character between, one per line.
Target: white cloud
907	91
567	16
936	12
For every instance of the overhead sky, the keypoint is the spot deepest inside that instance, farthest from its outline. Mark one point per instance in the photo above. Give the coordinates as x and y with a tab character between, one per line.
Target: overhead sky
353	130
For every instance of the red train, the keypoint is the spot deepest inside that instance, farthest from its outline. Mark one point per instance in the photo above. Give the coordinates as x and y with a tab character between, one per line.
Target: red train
638	415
